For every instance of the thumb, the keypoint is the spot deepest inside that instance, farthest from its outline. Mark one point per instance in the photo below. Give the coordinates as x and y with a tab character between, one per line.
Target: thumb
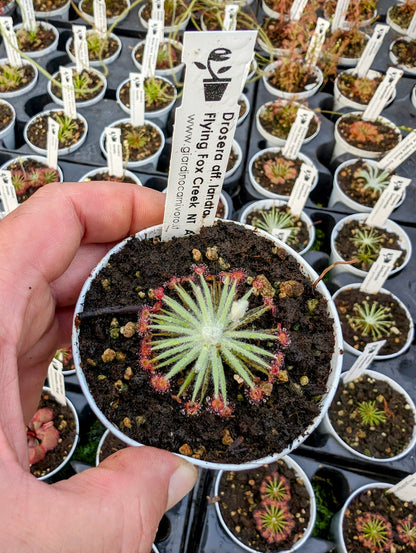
118	505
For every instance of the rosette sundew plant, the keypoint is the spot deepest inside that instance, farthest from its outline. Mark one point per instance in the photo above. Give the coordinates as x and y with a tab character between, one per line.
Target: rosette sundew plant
371	319
376	179
375	532
273	520
42	436
279	170
369	414
275	486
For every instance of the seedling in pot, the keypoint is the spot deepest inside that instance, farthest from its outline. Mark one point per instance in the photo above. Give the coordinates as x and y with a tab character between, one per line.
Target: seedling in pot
13	78
373	320
32	40
42	436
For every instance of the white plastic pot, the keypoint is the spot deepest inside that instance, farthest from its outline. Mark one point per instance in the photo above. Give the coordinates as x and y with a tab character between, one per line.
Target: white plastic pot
272	140
152	160
336	361
338	195
80	103
350	349
110	20
160	114
95	63
413	96
309	91
236	148
344	147
51	48
246	101
326	425
7	135
61	13
25	89
61	151
341	101
312	509
267	204
175	70
389	225
168	28
409	69
24	157
269	50
267	193
94	172
395	27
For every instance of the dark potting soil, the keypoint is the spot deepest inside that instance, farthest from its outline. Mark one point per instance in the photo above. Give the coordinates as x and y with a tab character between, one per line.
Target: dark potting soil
27	43
366	256
64	422
281	185
6	115
91	85
111	445
48	5
359	90
405	51
37	131
107	177
353	185
374	136
395	336
243	108
143	141
28	175
121	387
151	104
171	17
383	439
110	47
168	56
113	7
26	75
395	517
298	238
240	497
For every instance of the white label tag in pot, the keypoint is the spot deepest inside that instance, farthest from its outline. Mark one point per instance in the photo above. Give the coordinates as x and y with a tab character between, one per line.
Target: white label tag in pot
383	94
405	490
315	46
297	133
100	16
68	92
364	361
137	99
370	50
204	127
151	48
281	234
411	30
301	188
7	192
230	17
158	10
56	381
114	151
387	201
80	48
297	9
52	143
28	15
339	15
380	270
399	153
10	42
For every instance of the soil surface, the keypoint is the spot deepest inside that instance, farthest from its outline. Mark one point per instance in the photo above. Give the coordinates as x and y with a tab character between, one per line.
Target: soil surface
346	248
110	47
304	80
121	387
171	18
26	76
151	104
285	187
111	445
240	496
384	439
385	509
48	5
113	7
277	118
345	44
359	90
168	56
377	136
6	115
148	141
395	337
352	184
93	85
405	52
44	38
37	131
107	177
64	422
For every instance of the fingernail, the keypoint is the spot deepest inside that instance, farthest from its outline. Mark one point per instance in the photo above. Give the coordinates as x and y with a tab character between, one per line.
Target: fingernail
181	482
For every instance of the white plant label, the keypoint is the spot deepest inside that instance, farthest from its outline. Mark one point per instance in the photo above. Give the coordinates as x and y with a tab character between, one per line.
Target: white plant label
114	151
151	48
28	15
52	143
297	133
380	270
405	490
137	99
281	234
230	17
56	381
370	51
363	361
411	30
10	42
301	189
297	9
318	37
204	127
387	201
339	15
100	16
7	192
383	94
82	60
158	11
68	92
399	153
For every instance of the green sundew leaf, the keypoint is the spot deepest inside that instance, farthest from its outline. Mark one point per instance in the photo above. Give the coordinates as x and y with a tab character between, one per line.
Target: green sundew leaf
189	377
173	351
174	319
186	298
187	360
250	335
180	310
254	348
172	329
237	366
225	313
200	369
169	361
169	342
223	382
202	304
223	298
251	315
215	370
208	300
240	348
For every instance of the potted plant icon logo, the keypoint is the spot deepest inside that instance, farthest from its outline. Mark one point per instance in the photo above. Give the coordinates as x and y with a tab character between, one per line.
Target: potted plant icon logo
215	87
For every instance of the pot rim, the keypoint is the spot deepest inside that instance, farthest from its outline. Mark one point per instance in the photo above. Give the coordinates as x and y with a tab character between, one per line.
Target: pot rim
110	20
105	169
80	103
10	126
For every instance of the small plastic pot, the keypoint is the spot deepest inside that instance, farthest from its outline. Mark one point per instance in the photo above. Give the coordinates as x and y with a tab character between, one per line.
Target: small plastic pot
327	428
312	509
95	63
175	70
30	86
61	13
236	148
93	172
309	91
267	193
246	101
168	28
389	225
80	103
51	48
24	157
413	96
7	135
395	26
350	349
270	50
409	69
110	20
341	101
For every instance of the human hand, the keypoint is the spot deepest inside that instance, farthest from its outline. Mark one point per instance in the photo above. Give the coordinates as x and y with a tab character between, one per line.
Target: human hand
48	247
